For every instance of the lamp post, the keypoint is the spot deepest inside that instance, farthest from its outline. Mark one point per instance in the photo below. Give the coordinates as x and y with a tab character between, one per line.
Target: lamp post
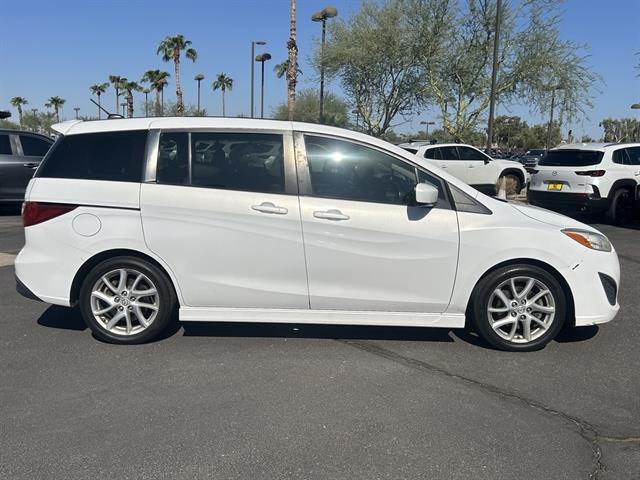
198	78
494	74
426	128
356	112
553	89
146	92
76	109
322	16
253	55
123	105
636	106
263	57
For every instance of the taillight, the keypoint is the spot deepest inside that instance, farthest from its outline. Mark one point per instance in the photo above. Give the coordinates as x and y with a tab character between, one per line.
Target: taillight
591	173
38	212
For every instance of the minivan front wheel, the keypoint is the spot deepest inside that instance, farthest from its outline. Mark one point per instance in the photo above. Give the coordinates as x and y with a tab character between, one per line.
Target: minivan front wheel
519	308
127	300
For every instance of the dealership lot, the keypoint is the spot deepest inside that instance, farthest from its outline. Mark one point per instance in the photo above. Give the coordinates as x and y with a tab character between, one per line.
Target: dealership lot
286	401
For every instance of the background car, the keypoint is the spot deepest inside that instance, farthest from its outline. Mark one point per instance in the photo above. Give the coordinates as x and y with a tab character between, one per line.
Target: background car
471	165
531	158
20	154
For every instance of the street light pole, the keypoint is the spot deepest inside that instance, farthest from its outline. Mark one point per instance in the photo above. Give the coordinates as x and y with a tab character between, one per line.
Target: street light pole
146	92
426	131
357	114
494	74
253	56
636	106
76	109
322	16
123	105
553	101
198	78
263	57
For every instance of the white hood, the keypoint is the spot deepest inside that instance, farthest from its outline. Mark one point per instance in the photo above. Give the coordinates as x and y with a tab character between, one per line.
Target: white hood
549	217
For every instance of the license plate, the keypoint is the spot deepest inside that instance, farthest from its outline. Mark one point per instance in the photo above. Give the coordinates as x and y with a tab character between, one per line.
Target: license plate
556	186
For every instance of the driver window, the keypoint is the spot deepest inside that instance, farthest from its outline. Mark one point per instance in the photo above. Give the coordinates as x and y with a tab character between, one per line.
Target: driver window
349	171
467	153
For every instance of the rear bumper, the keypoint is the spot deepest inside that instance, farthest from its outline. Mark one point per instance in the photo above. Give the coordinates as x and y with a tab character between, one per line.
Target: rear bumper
23	290
567	202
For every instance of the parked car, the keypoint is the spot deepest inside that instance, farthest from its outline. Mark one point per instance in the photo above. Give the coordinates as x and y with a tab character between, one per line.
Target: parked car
20	154
296	223
531	158
471	165
594	177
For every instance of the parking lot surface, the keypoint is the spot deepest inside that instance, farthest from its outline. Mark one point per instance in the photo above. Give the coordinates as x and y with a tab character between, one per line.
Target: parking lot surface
238	401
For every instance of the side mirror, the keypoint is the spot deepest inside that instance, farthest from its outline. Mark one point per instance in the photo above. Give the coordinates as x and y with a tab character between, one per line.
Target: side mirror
426	195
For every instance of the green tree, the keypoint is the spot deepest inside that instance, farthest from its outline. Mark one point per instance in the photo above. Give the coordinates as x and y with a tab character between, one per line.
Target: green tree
130	87
223	83
56	103
157	79
18	102
532	58
281	69
621	129
536	136
307	109
98	89
509	132
379	54
171	49
116	81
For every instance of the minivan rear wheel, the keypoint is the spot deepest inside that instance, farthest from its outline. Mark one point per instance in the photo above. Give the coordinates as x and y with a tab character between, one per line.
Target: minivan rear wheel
127	300
519	308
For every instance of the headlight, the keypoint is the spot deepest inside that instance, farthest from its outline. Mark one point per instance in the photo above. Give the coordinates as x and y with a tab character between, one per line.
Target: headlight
592	240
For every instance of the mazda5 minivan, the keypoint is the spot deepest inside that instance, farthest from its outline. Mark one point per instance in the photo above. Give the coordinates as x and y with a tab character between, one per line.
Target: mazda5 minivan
143	222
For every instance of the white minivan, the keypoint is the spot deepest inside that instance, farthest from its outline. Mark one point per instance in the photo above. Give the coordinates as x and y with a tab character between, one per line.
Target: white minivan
142	222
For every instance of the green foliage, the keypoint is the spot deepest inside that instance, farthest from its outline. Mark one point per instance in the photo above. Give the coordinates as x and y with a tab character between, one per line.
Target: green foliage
222	82
171	48
281	69
171	110
39	122
307	109
8	124
621	129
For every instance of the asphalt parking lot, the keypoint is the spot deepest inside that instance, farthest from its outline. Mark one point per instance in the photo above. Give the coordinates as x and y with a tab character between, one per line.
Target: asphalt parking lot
247	401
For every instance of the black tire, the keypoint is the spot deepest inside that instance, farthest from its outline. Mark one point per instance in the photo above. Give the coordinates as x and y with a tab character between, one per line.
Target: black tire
483	294
620	209
164	317
517	183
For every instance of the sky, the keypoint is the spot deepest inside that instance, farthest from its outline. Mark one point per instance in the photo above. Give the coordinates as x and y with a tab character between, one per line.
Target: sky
60	47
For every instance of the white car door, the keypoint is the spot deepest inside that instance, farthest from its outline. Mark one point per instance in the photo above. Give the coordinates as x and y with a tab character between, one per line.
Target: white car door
368	246
483	172
227	222
447	158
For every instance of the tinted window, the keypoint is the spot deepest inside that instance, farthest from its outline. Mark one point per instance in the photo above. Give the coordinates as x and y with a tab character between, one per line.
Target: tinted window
115	156
621	157
173	159
34	146
238	161
571	158
5	145
349	171
467	153
449	153
433	154
634	155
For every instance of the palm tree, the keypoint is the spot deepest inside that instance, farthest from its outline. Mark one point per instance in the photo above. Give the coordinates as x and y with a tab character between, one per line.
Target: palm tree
18	102
98	89
292	67
281	69
130	87
170	48
223	83
116	81
157	80
56	103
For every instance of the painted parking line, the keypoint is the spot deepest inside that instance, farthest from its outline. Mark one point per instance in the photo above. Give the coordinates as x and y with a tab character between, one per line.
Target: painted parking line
6	259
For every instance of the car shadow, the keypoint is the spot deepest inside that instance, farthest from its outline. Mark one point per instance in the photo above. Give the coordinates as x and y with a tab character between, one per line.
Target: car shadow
62	317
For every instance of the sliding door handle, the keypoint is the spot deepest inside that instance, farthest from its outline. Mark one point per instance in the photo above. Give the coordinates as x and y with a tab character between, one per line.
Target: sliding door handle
268	207
331	215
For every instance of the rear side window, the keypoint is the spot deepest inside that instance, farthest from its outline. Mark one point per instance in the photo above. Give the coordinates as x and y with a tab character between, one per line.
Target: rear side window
173	159
5	145
571	158
34	146
634	155
621	157
449	153
467	153
433	154
114	156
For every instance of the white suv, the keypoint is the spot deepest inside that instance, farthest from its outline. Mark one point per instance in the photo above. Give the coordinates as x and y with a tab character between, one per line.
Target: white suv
594	177
140	222
471	165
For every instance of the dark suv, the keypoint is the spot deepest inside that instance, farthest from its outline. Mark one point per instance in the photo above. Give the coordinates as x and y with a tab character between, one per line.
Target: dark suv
20	155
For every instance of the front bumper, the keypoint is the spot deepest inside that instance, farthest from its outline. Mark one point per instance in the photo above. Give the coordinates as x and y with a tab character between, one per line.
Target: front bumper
567	202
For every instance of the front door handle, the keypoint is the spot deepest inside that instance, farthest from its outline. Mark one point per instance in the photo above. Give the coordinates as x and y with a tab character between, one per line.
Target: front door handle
30	165
268	207
331	215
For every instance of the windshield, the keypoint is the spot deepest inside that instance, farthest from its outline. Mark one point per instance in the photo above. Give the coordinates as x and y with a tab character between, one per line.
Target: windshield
571	158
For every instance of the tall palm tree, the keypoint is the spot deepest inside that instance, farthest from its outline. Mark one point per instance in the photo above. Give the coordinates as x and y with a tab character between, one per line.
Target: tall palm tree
98	89
18	102
223	82
281	69
292	67
171	48
116	81
157	80
56	103
130	86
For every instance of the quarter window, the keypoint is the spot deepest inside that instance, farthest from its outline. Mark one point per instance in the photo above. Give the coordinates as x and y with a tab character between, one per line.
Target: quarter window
5	145
634	155
34	146
349	171
621	157
433	154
